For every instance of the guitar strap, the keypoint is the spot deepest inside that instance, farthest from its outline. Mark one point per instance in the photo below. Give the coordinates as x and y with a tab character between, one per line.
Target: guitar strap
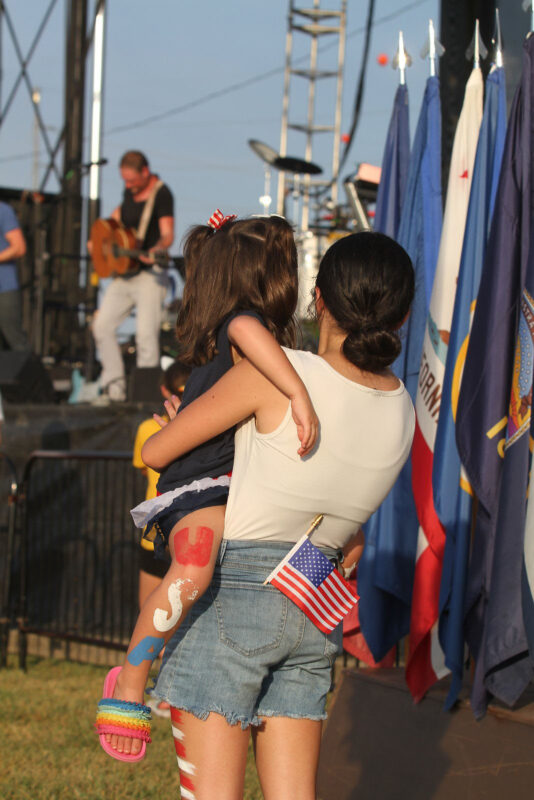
147	213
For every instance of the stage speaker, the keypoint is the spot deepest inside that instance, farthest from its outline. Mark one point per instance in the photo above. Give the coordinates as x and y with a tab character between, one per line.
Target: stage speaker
144	385
23	379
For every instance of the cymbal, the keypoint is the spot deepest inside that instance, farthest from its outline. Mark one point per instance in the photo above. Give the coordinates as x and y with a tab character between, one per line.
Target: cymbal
296	165
263	150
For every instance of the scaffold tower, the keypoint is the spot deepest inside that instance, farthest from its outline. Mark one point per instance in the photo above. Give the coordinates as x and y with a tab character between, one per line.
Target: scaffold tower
315	24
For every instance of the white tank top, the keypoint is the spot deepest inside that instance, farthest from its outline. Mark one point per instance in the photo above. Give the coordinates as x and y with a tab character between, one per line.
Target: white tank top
365	438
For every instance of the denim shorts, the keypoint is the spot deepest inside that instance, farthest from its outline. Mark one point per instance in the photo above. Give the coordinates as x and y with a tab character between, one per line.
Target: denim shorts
246	651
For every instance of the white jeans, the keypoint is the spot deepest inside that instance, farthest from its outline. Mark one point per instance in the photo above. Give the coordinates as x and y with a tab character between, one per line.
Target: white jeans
145	292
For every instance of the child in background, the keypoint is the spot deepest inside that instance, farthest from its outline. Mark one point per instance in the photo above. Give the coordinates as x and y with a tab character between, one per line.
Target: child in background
151	569
239	300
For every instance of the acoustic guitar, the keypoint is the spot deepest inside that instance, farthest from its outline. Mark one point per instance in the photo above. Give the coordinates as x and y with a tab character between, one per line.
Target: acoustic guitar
115	250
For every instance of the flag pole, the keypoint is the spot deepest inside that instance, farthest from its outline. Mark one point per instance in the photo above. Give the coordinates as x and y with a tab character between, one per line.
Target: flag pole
432	48
315	522
477	49
476	59
498	40
401	60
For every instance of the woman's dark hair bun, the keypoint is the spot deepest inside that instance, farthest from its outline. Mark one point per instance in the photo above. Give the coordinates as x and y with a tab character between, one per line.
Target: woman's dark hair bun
367	284
371	349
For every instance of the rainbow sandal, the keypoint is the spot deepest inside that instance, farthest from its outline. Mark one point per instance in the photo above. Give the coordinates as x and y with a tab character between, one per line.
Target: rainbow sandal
123	718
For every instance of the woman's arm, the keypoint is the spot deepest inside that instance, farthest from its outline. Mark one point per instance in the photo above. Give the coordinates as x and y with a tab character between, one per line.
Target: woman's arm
241	392
263	351
352	552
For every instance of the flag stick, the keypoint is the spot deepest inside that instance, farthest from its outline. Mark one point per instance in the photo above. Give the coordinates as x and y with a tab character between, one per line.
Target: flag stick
315	522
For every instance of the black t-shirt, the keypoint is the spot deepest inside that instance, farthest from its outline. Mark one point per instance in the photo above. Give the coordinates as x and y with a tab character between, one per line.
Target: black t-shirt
131	211
215	457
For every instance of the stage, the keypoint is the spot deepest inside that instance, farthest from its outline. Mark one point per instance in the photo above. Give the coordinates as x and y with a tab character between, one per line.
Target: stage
29	427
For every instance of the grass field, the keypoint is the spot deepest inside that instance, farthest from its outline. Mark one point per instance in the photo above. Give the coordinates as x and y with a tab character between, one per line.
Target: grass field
49	750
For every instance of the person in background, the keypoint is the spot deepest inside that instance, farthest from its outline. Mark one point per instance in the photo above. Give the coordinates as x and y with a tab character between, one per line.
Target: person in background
145	289
12	246
151	569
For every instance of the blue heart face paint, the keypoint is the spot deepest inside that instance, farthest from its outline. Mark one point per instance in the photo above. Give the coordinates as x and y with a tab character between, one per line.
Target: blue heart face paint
148	649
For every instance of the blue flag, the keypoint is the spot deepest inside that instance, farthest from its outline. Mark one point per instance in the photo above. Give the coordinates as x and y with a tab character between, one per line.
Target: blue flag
385	572
509	667
394	167
452	492
493	624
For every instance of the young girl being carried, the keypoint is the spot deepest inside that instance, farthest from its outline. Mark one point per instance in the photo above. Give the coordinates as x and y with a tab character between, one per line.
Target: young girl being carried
239	300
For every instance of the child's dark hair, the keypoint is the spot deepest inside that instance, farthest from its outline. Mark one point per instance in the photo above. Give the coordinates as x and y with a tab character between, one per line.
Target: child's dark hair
367	284
248	264
174	378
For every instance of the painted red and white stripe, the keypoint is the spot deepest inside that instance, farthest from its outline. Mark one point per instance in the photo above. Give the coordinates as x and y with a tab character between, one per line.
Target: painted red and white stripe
187	769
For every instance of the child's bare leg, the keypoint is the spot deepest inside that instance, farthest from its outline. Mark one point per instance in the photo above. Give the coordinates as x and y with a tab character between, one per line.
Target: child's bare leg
194	544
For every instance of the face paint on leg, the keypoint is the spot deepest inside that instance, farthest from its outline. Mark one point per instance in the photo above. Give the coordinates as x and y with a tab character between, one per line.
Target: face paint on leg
162	621
187	769
196	552
177	733
186	783
179	748
186	766
147	649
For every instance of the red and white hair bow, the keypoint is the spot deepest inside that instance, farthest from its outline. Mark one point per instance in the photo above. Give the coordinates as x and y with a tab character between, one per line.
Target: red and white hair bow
217	219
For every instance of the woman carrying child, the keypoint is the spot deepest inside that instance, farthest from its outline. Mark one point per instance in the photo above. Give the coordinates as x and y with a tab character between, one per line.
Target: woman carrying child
247	660
239	300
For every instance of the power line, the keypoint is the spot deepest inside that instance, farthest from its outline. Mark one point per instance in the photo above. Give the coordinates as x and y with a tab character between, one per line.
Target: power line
249	81
361	85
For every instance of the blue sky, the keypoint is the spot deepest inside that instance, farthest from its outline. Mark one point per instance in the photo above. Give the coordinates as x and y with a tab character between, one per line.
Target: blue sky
164	54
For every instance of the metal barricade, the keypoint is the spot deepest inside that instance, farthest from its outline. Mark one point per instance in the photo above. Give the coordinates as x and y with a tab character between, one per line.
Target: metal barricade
71	564
8	515
79	548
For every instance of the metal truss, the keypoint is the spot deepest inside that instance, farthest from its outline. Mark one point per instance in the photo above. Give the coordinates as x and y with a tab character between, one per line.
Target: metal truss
23	78
314	24
52	276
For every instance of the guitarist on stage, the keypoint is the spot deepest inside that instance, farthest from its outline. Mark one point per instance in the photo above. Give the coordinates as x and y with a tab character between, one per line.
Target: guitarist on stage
148	207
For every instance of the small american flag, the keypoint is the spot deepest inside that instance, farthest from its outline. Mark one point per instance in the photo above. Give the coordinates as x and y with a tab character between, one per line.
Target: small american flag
311	581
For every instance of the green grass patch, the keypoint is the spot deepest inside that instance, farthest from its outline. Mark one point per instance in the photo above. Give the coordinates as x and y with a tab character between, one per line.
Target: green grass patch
49	749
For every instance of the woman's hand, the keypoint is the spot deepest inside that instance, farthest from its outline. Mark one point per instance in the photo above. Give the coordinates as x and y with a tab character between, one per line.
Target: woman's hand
352	552
171	409
305	419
